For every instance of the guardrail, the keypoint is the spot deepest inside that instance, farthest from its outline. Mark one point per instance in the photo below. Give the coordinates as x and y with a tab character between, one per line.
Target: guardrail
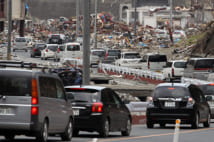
138	112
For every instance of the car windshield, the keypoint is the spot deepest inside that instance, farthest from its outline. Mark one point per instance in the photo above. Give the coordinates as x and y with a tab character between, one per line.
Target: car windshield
131	55
180	64
113	53
208	89
157	58
170	91
15	85
85	95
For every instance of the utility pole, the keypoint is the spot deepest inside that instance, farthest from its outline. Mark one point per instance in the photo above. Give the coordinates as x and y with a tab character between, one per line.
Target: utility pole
170	14
9	18
86	43
95	26
77	17
135	15
202	11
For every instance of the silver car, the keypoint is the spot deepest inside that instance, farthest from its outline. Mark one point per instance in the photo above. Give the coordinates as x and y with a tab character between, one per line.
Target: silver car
33	103
20	43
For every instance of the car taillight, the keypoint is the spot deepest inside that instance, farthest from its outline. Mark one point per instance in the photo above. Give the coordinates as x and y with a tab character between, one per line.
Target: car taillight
34	110
106	56
34	100
97	107
148	65
191	100
173	73
26	44
46	50
34	49
58	50
150	99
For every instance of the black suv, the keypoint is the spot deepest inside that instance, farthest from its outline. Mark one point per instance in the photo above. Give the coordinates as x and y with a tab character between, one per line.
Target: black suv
98	109
171	101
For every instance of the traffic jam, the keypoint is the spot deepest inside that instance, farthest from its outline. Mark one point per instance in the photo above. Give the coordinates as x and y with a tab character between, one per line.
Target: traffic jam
150	80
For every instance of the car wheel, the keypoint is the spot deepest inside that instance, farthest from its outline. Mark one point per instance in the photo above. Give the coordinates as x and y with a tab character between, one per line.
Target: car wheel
9	137
149	124
75	132
162	125
128	128
207	123
43	134
67	135
195	123
105	129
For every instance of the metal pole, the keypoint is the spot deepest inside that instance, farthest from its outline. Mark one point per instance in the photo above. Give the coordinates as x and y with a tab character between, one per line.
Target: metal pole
171	14
135	16
9	29
77	16
86	43
95	26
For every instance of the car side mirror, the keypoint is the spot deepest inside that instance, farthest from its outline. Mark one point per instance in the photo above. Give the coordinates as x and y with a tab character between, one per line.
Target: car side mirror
209	98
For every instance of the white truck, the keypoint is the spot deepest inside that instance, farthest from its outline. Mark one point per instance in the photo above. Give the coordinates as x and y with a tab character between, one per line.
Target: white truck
129	59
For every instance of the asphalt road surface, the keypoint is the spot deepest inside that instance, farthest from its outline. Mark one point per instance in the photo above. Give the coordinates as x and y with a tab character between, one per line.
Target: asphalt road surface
140	134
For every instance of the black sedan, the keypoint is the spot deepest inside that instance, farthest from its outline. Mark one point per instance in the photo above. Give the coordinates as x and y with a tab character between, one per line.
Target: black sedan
171	101
98	109
36	49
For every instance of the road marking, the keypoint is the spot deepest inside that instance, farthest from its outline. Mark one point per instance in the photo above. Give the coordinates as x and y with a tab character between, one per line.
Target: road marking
154	135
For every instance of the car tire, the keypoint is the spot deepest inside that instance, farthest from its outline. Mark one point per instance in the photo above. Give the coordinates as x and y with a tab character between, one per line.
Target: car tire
67	135
207	123
105	129
149	124
43	134
127	129
195	123
75	132
9	137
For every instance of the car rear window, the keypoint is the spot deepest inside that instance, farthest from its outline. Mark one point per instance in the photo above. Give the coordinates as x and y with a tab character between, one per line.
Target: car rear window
132	55
113	52
53	48
170	91
157	58
207	89
20	40
73	48
11	85
99	53
205	63
180	64
85	95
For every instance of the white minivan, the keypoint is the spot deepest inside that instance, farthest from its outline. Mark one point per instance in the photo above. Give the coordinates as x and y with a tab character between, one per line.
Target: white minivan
154	61
73	50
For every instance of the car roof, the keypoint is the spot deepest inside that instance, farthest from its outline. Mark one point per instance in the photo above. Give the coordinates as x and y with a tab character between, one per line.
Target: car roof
199	58
177	61
72	43
99	88
154	54
185	85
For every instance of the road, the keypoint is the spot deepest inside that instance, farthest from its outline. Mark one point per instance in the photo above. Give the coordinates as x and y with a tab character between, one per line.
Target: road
141	133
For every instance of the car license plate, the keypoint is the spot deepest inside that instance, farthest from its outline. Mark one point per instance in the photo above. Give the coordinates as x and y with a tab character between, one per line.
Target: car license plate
169	104
76	112
5	111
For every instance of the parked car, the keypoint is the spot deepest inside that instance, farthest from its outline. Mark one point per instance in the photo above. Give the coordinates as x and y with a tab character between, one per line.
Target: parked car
174	69
98	109
36	49
154	61
33	103
171	101
198	67
49	52
208	90
111	56
20	43
129	59
178	34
